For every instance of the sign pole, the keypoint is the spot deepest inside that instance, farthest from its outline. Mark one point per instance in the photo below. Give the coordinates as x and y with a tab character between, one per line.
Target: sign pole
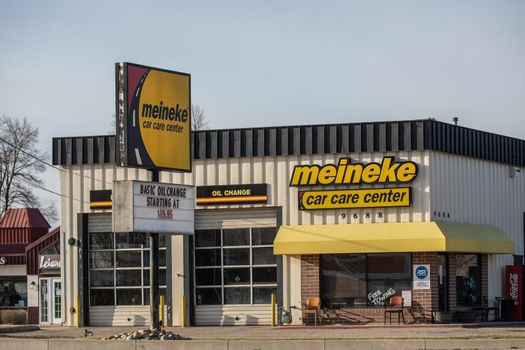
154	270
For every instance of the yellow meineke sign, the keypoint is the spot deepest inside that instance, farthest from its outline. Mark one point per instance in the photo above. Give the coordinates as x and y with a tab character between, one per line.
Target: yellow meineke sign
362	198
347	173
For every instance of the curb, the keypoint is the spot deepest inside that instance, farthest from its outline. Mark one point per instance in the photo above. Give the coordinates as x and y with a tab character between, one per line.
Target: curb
20	328
434	344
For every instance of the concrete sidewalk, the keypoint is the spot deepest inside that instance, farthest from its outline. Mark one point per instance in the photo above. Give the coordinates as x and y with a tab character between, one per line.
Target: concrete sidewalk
456	336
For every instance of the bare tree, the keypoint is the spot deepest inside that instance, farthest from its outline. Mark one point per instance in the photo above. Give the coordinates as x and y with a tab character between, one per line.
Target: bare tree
20	166
198	118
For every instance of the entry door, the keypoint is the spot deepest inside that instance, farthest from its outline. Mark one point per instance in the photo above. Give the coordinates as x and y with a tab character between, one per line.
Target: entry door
50	301
44	300
56	301
442	283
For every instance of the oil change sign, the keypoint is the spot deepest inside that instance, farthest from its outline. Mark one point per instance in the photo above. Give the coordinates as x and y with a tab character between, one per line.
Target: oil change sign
141	206
346	172
232	194
153	118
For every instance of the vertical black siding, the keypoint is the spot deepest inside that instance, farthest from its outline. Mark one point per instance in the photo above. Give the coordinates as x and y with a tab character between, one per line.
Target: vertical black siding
317	139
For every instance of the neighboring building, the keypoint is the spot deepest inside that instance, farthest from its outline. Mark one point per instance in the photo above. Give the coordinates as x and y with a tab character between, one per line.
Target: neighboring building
28	250
446	205
43	279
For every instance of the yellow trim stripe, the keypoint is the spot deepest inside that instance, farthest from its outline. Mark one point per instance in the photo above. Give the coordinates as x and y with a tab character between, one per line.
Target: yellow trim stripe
100	204
231	199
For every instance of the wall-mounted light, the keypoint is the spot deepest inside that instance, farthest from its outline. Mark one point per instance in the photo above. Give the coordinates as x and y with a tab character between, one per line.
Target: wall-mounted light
513	171
71	241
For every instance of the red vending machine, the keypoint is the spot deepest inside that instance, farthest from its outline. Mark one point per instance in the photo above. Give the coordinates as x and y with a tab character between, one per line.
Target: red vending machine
514	289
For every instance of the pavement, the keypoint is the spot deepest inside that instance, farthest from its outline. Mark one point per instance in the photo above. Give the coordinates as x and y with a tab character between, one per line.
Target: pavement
478	331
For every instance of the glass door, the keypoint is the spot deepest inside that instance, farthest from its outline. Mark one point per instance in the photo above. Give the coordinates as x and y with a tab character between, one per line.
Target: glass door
56	300
44	300
442	282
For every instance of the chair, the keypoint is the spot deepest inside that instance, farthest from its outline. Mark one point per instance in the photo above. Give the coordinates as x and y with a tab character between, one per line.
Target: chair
485	310
395	305
312	306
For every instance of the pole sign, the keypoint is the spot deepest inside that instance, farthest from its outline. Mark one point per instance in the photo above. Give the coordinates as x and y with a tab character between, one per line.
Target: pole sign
152	207
421	277
153	118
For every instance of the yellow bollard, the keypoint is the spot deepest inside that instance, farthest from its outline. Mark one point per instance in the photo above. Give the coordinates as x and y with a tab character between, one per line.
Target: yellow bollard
183	312
162	311
78	311
273	309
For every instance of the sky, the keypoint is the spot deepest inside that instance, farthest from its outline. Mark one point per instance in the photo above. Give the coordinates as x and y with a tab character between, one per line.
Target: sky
263	63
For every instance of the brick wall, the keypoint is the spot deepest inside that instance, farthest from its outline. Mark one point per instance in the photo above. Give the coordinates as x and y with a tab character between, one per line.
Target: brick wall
423	301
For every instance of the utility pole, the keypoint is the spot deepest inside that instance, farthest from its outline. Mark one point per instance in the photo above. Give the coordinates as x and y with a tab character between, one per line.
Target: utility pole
154	270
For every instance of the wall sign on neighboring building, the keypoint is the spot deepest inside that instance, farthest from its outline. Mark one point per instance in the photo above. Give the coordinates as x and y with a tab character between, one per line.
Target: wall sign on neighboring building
141	206
421	277
360	198
3	260
49	263
232	194
153	118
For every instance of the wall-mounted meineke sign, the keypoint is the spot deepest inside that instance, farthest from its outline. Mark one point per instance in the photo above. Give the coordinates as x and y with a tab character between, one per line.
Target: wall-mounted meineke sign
232	194
153	118
389	171
141	206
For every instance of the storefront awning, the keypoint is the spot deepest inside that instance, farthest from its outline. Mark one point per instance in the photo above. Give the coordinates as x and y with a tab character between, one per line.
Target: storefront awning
392	238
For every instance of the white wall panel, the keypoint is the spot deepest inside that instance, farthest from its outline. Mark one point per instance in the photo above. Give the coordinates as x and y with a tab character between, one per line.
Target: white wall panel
467	190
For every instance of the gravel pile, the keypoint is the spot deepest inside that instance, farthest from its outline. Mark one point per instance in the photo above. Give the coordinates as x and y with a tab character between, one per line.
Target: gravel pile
147	334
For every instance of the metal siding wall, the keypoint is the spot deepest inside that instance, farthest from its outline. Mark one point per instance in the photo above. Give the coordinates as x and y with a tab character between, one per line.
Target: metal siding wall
77	181
479	192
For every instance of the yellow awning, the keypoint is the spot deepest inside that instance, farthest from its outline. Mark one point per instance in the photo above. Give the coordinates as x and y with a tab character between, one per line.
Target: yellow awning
391	238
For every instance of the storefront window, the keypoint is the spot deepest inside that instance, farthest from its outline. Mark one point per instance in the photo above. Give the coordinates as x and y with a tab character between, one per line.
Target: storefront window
343	279
467	280
119	271
235	266
13	291
387	275
353	280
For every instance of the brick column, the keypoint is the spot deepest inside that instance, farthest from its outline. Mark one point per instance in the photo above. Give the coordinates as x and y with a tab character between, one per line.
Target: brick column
309	281
309	276
452	263
485	278
424	301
